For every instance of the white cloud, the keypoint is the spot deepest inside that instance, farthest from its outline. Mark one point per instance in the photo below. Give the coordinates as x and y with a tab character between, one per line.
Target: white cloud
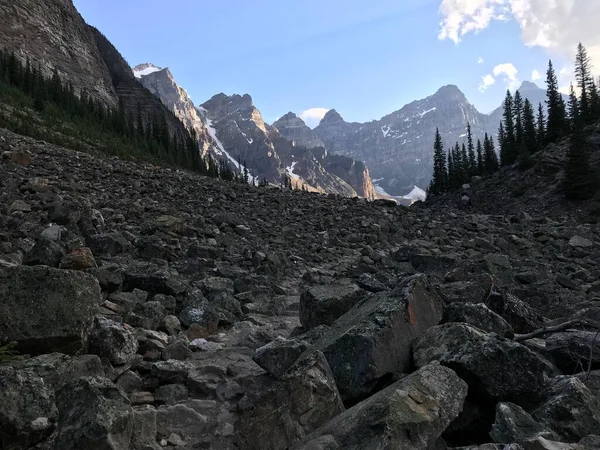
536	75
480	60
313	116
486	82
509	73
557	25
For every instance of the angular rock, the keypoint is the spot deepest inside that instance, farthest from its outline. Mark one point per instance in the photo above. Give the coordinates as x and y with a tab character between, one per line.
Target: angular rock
93	413
569	408
513	424
171	394
44	253
279	355
373	339
28	414
369	283
190	425
303	400
495	368
110	244
323	305
143	436
410	414
479	315
114	341
47	310
578	241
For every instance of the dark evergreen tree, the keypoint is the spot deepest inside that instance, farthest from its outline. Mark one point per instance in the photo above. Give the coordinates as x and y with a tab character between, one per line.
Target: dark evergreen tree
574	112
541	128
509	151
471	152
518	118
439	182
557	123
480	165
490	159
585	80
529	130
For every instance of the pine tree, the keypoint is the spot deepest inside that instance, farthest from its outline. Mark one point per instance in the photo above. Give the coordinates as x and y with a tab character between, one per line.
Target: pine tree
451	174
471	152
556	125
509	150
529	131
439	181
518	118
575	114
480	166
490	159
541	128
501	139
583	76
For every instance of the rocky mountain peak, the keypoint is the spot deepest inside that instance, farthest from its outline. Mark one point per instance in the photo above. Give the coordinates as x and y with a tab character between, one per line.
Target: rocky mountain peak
451	92
332	116
529	85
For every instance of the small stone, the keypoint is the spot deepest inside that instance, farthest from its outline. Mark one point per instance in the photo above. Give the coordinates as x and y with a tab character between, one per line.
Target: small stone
52	233
141	398
578	241
19	206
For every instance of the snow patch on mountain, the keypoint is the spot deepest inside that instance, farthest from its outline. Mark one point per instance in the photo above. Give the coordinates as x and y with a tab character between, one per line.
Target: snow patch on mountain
145	69
221	151
422	114
290	171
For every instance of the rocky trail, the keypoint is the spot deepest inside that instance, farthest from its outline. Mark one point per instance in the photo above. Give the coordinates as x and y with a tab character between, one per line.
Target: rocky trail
152	308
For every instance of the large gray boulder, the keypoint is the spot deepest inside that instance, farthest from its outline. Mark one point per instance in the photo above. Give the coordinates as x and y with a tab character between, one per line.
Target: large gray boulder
47	310
28	414
323	305
410	414
303	400
94	414
495	368
569	408
479	315
374	338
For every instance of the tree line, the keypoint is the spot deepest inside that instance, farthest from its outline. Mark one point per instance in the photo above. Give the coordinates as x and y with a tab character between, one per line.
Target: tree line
116	130
523	132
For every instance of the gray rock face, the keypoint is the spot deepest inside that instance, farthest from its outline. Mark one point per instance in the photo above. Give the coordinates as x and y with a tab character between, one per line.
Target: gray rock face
303	400
46	309
374	338
43	31
294	129
412	413
93	413
162	84
279	355
495	368
244	136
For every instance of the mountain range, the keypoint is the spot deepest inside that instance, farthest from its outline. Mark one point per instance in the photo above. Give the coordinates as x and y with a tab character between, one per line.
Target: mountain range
391	156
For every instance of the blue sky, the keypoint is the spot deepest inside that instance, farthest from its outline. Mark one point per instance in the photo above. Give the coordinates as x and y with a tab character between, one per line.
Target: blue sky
365	59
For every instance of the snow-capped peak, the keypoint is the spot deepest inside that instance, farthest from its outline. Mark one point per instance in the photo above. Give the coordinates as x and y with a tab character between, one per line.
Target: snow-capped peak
145	69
